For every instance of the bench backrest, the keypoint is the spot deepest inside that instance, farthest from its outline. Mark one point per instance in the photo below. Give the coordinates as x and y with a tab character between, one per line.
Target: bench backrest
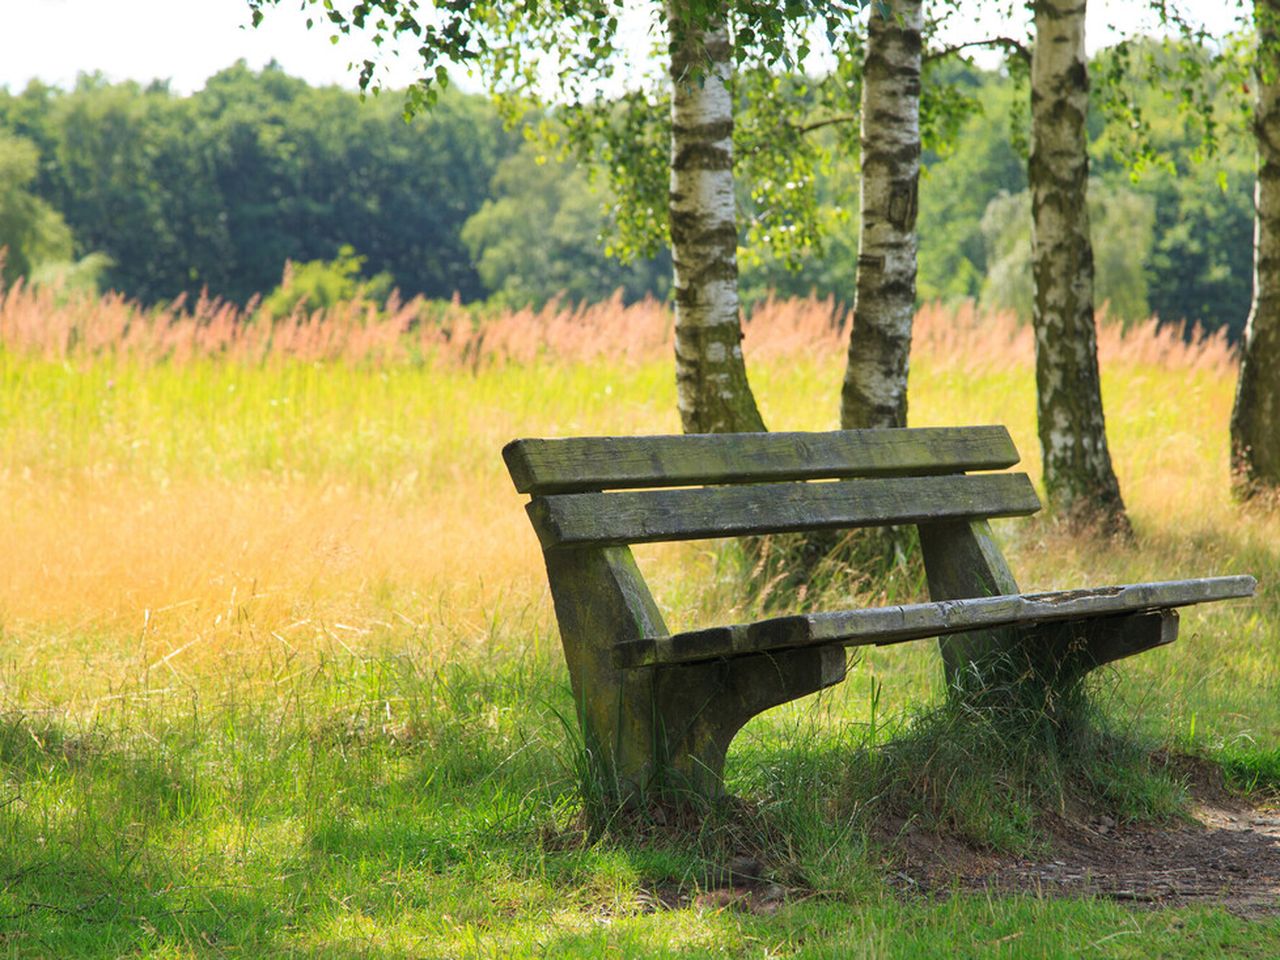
601	490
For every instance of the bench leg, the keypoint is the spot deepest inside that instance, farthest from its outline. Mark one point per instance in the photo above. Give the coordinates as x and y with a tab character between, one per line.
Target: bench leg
601	599
1025	668
699	708
961	561
660	728
1080	646
1046	662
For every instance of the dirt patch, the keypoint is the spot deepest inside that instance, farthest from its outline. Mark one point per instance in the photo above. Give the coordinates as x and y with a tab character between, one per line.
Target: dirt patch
1227	854
742	885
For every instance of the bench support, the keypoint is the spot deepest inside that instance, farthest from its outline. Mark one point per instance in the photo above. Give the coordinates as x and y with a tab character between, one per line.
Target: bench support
1025	666
962	560
701	707
1075	647
1035	676
664	728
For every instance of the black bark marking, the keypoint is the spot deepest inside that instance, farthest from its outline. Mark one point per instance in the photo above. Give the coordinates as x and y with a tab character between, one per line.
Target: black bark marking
702	156
902	206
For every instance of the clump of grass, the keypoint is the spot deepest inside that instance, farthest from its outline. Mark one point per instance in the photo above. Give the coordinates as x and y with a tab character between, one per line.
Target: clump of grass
990	775
1251	769
793	573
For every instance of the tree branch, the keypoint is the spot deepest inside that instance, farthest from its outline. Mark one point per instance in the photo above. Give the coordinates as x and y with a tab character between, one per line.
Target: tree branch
828	122
802	129
1008	44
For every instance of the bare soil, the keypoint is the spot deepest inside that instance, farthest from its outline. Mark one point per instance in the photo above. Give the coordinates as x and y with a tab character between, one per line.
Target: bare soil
1227	854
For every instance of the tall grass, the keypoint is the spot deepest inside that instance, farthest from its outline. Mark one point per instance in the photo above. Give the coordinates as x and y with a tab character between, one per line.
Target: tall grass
40	322
278	670
185	482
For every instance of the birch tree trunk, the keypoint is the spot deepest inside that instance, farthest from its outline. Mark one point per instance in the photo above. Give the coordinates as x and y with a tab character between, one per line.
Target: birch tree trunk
875	380
711	380
1078	476
874	393
1255	419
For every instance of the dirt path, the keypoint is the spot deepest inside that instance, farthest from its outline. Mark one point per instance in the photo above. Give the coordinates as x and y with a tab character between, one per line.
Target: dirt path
1227	855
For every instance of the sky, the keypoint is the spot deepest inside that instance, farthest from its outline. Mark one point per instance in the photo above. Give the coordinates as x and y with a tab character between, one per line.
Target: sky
186	41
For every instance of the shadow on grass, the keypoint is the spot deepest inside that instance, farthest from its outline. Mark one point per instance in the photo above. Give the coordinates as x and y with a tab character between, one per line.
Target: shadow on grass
100	853
323	821
257	829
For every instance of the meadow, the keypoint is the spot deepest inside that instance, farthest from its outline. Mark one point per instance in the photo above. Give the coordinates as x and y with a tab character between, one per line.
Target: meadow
279	674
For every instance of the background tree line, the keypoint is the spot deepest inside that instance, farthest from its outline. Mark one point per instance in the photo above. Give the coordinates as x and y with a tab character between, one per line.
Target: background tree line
215	191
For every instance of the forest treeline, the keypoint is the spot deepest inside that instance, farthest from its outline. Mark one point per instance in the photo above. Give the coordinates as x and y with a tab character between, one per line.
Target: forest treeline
155	195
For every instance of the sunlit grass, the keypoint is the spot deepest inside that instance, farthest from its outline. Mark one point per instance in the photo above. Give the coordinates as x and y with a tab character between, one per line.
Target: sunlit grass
168	515
278	669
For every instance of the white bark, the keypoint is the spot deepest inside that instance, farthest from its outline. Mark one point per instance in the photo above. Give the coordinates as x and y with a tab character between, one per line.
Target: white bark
712	391
1078	475
1255	419
875	382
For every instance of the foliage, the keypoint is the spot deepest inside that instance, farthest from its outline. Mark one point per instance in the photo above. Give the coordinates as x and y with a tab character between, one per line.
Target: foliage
1121	222
32	232
1195	159
217	190
541	236
1195	256
511	42
322	284
81	277
958	182
516	45
1188	78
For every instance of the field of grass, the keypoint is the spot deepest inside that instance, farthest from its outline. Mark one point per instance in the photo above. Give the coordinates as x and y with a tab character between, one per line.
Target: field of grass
279	674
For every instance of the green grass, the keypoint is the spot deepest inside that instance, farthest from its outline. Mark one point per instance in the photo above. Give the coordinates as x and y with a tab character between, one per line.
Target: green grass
278	677
303	823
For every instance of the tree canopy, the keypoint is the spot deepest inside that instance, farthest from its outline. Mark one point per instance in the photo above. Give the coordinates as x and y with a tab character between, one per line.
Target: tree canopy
218	189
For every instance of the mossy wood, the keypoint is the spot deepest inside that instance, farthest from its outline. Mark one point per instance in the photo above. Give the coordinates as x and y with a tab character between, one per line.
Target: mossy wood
648	516
916	621
576	464
658	711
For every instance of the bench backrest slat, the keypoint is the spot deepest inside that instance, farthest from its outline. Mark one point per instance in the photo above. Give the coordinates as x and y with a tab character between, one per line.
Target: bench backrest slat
647	516
579	464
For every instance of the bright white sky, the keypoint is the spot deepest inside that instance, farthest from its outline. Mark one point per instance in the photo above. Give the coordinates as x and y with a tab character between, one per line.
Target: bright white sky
186	41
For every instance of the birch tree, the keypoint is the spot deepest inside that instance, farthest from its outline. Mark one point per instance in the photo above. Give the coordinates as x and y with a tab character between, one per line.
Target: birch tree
1255	418
875	382
713	395
1078	477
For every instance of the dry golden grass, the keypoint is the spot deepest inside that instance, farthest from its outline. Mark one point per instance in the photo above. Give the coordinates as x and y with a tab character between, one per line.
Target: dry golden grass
186	491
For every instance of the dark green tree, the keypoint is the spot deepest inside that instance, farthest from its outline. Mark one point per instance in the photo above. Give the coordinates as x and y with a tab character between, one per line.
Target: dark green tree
31	231
217	190
541	234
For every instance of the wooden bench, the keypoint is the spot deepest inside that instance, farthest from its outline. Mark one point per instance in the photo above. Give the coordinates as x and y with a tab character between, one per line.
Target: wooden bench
659	709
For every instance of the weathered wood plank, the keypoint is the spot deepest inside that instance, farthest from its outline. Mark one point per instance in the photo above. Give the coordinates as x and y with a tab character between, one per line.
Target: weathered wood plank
962	560
1083	645
579	464
886	625
647	516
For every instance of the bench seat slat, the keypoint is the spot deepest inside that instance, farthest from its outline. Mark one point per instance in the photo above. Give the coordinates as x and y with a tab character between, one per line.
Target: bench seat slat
648	516
577	464
886	625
